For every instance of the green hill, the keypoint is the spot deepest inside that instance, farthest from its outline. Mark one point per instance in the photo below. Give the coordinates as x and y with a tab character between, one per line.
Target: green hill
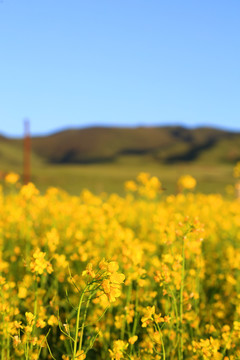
103	158
165	144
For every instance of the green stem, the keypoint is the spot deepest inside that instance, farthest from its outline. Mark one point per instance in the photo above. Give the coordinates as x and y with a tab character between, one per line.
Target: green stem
3	339
226	345
8	347
177	319
2	351
77	323
181	301
27	350
135	317
162	343
34	312
127	304
83	324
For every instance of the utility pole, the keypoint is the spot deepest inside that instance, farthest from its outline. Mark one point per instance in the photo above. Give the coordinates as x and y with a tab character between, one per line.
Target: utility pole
26	152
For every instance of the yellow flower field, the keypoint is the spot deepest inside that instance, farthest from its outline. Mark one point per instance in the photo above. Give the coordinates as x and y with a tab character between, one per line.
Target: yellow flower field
143	276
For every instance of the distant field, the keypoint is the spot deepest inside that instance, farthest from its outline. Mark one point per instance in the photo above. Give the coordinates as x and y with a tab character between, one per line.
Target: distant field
111	177
103	159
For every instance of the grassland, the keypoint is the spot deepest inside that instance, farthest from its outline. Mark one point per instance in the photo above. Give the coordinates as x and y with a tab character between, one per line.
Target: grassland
104	158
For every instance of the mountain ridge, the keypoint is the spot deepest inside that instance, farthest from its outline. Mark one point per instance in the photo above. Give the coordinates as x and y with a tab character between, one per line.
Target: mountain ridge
166	144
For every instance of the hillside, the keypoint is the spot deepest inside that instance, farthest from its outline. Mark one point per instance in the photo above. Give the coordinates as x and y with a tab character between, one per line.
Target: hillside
102	159
164	144
98	144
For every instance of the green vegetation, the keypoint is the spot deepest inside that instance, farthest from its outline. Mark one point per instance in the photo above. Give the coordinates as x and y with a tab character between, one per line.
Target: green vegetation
101	159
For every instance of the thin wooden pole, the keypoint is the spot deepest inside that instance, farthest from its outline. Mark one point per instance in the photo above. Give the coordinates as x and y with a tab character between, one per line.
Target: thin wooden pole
26	153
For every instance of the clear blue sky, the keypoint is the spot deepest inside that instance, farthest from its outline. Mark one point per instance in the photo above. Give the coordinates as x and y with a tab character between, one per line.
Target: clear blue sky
74	63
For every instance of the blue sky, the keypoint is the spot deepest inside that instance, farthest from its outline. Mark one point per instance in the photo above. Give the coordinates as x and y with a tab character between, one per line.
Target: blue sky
80	63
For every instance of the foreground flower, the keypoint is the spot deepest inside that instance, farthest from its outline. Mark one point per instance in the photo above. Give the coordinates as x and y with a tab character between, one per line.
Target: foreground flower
80	355
148	316
119	346
111	285
133	339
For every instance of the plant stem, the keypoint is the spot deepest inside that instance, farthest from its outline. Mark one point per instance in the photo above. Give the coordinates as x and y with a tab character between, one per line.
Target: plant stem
162	343
127	304
83	324
34	312
135	317
77	323
181	301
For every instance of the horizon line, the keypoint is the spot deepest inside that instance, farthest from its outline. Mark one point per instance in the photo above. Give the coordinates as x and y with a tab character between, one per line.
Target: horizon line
119	126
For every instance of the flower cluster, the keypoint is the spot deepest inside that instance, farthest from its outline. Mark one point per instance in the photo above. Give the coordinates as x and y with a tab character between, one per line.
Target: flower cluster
39	264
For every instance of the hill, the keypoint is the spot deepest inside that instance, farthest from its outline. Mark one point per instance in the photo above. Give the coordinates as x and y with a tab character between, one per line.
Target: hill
101	159
164	144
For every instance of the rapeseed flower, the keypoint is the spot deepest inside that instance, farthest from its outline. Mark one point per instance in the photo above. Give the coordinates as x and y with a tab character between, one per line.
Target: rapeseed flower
186	182
12	178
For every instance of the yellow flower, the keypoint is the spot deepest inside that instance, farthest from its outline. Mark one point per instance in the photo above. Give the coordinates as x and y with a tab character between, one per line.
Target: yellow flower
29	317
89	271
52	320
117	278
119	346
103	265
143	177
133	339
186	182
29	190
16	340
113	267
22	292
111	290
12	178
80	355
61	260
41	323
111	285
39	264
148	316
130	186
